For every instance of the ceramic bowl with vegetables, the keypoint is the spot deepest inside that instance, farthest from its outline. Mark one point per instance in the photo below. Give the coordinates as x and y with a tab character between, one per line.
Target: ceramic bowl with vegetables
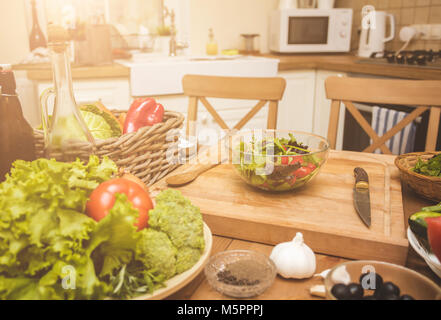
424	234
373	280
278	160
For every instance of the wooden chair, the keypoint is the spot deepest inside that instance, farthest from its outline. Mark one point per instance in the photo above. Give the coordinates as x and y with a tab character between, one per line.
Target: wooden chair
266	90
426	95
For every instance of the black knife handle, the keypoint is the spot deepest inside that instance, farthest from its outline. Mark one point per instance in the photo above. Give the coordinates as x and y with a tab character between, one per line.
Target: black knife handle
361	176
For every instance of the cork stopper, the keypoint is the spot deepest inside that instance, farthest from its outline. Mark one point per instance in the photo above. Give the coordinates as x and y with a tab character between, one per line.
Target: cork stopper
58	38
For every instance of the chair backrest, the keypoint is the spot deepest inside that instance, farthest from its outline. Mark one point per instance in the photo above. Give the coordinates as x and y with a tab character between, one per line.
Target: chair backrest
425	95
265	90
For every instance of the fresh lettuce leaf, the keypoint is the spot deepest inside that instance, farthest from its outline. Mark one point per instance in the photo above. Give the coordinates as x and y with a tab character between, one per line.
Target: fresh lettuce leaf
43	229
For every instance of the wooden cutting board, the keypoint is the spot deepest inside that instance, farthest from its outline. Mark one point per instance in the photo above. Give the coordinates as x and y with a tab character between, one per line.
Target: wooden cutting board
323	210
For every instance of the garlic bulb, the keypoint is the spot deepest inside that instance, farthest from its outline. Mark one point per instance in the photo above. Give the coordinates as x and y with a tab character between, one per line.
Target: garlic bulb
294	259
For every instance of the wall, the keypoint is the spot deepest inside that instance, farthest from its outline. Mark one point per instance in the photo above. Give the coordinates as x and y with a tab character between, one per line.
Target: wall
406	12
14	44
229	19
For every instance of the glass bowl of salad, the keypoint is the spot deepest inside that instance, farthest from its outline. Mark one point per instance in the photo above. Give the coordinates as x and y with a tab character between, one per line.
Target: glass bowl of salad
278	160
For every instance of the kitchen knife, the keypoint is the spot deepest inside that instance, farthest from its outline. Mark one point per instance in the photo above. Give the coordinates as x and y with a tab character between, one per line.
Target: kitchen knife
362	200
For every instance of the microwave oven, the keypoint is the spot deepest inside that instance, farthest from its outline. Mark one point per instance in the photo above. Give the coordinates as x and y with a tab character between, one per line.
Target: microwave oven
310	30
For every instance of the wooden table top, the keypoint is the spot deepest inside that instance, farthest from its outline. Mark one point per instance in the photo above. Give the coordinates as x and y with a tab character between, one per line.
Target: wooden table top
284	289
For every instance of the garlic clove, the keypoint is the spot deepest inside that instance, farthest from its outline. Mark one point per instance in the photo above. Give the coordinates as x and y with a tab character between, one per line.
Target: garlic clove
341	275
318	291
323	274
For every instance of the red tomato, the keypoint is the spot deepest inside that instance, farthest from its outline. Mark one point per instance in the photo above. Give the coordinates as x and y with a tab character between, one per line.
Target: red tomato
285	161
290	160
102	200
302	172
434	235
293	181
311	166
296	159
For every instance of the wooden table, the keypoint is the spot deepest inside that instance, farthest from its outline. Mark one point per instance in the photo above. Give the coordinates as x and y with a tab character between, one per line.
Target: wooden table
284	289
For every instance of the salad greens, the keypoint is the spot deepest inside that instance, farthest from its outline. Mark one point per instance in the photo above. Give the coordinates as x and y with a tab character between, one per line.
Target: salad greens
50	249
276	164
432	167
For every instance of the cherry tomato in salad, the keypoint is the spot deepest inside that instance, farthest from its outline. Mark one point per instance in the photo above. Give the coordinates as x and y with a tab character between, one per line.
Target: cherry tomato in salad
293	181
290	160
102	200
311	166
302	172
296	159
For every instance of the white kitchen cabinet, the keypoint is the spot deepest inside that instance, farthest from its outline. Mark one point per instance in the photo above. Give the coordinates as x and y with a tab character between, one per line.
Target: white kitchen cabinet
296	109
304	106
322	108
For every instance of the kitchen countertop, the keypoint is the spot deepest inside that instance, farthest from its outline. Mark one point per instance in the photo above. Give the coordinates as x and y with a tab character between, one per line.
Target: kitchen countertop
43	72
347	63
332	62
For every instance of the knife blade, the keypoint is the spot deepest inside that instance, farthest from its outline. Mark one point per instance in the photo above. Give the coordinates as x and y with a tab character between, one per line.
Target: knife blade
362	200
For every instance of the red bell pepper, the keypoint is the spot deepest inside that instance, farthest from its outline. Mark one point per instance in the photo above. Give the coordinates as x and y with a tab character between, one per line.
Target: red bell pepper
434	235
142	113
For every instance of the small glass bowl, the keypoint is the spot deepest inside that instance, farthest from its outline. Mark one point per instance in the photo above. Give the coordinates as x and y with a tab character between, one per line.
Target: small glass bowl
410	282
220	262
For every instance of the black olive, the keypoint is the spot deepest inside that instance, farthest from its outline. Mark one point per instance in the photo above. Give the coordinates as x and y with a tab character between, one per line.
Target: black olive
407	297
390	297
340	291
387	290
370	282
356	291
369	298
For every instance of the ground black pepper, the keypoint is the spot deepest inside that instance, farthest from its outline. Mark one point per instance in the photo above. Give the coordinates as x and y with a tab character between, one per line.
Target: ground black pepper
242	273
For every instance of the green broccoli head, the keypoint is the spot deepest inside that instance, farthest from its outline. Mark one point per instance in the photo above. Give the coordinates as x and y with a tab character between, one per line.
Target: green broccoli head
157	253
179	219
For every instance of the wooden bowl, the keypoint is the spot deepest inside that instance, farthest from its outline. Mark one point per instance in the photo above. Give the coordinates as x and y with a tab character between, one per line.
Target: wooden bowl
425	186
410	282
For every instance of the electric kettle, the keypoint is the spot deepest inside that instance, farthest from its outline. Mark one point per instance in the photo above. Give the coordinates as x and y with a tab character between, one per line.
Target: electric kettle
373	34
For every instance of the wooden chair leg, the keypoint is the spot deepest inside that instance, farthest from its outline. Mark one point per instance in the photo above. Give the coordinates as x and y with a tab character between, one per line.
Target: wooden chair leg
432	130
192	116
272	115
333	123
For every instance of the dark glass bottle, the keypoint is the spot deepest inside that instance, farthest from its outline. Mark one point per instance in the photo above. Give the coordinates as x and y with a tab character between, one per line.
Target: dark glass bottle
36	38
16	134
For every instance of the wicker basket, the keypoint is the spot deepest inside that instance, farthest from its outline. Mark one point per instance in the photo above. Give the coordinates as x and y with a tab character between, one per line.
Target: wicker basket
425	186
144	153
